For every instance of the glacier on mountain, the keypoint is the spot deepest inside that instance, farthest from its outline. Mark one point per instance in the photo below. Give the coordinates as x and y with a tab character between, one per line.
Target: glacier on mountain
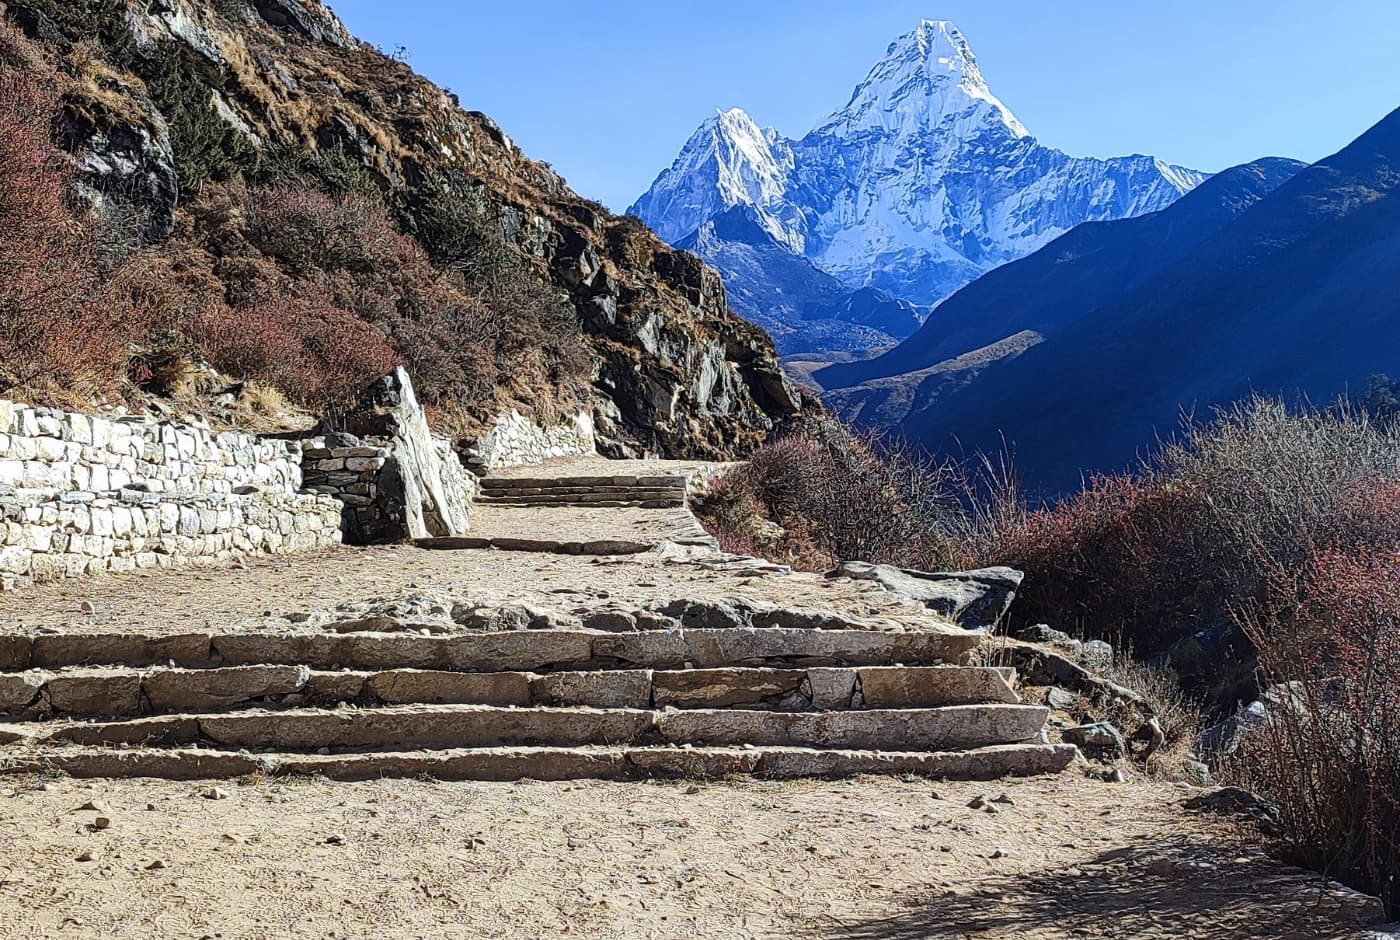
923	181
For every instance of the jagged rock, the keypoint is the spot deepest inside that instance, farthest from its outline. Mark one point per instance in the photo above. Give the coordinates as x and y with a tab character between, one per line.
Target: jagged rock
18	691
424	489
976	600
313	21
1099	737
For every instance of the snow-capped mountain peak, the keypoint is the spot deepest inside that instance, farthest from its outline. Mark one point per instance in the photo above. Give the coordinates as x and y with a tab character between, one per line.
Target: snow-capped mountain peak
923	181
929	77
728	161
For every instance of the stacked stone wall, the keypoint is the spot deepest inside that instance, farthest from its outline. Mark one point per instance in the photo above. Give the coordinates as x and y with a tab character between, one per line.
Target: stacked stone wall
516	441
81	495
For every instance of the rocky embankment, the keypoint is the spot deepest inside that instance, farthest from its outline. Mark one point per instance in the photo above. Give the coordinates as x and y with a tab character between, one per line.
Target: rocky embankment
188	92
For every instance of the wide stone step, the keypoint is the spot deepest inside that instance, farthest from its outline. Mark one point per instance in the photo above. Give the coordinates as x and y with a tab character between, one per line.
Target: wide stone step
584	502
117	692
639	492
953	727
578	502
506	764
514	651
584	482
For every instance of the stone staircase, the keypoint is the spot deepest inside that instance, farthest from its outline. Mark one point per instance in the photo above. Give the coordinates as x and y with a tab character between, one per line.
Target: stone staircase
362	701
646	492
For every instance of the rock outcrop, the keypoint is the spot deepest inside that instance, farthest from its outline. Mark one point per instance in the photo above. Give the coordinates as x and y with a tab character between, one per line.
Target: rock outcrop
199	90
975	600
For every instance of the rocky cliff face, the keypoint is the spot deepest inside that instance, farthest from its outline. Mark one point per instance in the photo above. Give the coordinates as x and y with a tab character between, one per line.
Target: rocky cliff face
161	96
920	183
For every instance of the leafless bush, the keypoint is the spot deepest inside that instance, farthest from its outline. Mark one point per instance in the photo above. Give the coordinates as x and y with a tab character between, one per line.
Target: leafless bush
825	496
1328	753
65	326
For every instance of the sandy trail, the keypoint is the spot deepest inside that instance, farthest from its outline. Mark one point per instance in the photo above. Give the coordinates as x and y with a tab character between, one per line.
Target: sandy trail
857	860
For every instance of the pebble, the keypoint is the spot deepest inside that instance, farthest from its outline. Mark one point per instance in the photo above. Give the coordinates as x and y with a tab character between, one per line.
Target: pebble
157	865
216	793
85	856
95	806
102	822
335	840
1004	799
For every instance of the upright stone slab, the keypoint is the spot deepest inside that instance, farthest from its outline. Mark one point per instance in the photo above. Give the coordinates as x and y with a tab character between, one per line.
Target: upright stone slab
421	490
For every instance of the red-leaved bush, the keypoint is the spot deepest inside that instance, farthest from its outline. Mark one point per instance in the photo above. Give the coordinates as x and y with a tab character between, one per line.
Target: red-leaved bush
304	345
66	326
1328	752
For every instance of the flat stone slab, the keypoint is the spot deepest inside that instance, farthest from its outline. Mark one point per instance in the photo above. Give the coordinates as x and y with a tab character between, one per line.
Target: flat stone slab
94	692
949	728
130	692
454	726
406	686
515	651
542	763
549	546
207	689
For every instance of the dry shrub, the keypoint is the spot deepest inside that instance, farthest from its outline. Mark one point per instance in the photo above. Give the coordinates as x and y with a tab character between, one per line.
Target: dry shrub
66	326
1328	754
304	345
1200	531
468	340
816	498
1178	712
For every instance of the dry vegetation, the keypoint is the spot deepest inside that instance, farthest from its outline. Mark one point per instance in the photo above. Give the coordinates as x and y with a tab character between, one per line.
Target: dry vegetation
1278	526
288	270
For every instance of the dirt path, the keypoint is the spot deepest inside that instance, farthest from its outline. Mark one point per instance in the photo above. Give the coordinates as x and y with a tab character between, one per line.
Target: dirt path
182	601
870	858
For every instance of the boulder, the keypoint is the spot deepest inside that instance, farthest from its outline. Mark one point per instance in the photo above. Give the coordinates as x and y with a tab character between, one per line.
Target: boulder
1100	737
976	600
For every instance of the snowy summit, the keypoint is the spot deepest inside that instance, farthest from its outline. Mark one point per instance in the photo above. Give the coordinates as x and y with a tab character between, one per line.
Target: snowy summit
923	180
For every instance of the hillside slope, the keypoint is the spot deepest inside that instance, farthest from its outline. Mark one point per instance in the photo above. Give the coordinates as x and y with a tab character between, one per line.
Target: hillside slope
1299	295
1073	275
184	113
802	307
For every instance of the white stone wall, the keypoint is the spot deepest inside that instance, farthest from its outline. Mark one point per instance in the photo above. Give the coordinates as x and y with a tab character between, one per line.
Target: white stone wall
80	495
516	441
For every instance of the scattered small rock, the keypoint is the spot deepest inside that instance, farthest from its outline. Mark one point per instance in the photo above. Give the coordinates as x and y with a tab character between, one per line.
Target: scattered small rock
157	865
95	806
216	793
1004	799
86	855
102	822
335	839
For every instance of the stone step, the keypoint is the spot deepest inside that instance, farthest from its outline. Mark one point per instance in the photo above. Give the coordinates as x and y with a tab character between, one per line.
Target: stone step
585	482
507	764
118	692
585	502
513	651
638	492
433	727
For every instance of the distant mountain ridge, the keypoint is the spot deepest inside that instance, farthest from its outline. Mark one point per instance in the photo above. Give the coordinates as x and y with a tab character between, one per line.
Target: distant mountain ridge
1271	279
802	307
923	181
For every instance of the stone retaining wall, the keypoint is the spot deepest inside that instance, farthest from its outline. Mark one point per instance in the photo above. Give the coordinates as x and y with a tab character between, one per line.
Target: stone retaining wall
516	441
80	495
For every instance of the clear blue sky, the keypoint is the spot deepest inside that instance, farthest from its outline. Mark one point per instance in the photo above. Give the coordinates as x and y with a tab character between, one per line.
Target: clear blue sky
608	92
